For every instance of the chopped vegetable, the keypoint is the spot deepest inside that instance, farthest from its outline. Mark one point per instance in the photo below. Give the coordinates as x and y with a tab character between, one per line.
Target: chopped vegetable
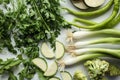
80	44
79	4
78	75
66	75
93	13
97	68
60	50
40	63
54	78
46	51
94	3
52	69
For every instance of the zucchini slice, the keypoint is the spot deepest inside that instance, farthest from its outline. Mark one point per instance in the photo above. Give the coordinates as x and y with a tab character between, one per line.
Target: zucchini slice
94	3
46	51
66	75
40	63
54	78
52	70
79	4
60	50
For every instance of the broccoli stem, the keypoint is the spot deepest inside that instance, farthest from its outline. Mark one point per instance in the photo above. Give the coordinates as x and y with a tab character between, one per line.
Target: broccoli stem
93	13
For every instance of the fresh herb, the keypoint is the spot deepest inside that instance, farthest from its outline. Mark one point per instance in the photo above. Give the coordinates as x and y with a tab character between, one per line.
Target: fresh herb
30	22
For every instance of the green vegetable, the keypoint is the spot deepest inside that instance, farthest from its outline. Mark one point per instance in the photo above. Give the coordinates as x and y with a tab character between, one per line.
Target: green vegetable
111	52
79	44
113	70
66	75
97	68
77	59
40	63
28	71
12	76
103	23
40	75
78	75
8	64
92	13
84	34
84	21
114	22
28	25
51	71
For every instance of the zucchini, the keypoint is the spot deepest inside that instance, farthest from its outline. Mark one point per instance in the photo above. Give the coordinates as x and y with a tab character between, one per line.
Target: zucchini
46	51
52	70
54	78
60	50
79	4
66	75
40	63
94	3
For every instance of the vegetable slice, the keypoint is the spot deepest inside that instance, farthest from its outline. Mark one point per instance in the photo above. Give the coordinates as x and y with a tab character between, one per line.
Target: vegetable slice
46	51
41	63
52	70
79	4
60	50
66	75
94	3
54	78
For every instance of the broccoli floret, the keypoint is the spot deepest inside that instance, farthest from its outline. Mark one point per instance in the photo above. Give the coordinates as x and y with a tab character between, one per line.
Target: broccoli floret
113	70
78	75
97	68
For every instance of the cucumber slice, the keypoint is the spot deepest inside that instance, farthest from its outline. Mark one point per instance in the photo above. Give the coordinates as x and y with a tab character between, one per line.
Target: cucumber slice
54	78
40	63
94	3
60	50
79	4
46	51
66	75
52	70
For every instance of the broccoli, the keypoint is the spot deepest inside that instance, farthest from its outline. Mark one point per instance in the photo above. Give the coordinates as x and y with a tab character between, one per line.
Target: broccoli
113	70
78	75
97	69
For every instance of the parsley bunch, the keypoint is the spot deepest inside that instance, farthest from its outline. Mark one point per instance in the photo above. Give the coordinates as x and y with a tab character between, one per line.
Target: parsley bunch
29	22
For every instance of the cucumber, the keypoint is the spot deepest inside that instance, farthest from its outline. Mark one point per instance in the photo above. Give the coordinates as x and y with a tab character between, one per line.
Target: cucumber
79	4
46	51
52	69
60	50
66	75
54	78
94	3
40	63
